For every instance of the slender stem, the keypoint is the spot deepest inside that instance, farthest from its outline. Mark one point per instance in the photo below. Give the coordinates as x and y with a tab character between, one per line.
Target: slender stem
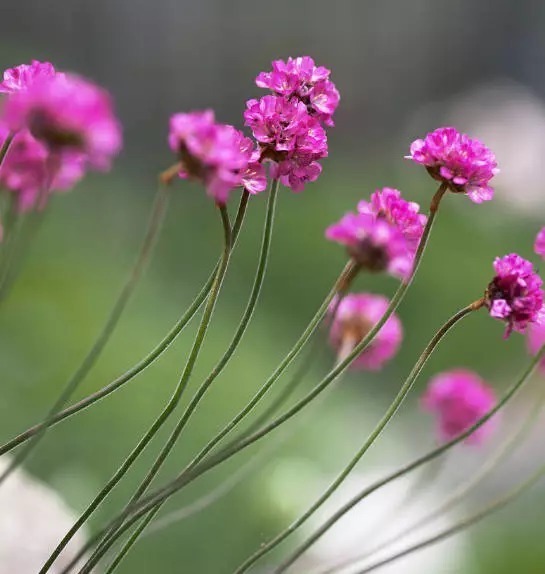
154	226
490	508
429	456
388	415
201	391
5	147
172	403
140	366
188	474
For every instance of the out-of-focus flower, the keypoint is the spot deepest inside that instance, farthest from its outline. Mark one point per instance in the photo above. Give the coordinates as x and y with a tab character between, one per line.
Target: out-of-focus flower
23	76
216	154
383	235
300	79
535	339
464	163
458	399
515	295
355	316
68	114
539	245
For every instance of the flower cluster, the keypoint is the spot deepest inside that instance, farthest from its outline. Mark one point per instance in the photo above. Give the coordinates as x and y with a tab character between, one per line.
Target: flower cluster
539	245
355	315
459	398
384	233
216	154
465	164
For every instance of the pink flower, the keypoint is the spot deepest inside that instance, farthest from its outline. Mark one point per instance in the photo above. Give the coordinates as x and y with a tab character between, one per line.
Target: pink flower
68	115
23	76
458	399
300	79
356	315
465	164
535	339
216	154
515	295
539	245
383	235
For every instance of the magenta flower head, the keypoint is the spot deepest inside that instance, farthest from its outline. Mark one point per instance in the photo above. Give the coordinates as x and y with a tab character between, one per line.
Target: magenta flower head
515	295
458	399
301	80
218	155
355	316
539	245
383	235
535	339
23	76
68	114
466	165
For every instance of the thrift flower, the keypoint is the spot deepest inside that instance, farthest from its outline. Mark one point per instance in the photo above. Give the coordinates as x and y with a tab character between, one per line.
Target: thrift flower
515	295
23	76
465	164
539	245
458	399
355	316
535	339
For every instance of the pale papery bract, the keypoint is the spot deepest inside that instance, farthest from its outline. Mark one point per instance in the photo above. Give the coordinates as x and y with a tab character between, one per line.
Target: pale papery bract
458	399
539	245
465	164
355	316
23	76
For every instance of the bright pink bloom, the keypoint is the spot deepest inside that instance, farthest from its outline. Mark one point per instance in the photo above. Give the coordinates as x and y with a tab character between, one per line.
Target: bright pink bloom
535	339
383	235
23	76
355	317
300	79
515	295
216	154
459	398
539	245
68	114
465	164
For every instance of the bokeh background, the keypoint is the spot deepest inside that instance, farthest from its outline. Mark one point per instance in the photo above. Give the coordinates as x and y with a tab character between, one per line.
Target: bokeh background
402	68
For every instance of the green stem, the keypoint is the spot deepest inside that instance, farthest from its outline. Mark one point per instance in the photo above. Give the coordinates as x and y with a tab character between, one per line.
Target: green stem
5	147
429	456
388	415
171	405
152	232
139	367
201	391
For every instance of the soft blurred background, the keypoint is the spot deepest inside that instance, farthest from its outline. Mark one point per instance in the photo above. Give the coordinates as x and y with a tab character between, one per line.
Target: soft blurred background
403	68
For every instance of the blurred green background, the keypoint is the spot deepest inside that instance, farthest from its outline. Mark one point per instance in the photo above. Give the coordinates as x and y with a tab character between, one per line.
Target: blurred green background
402	68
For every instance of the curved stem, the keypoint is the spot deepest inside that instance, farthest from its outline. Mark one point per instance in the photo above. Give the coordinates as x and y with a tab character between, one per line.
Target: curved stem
201	391
140	366
154	226
431	455
388	415
171	405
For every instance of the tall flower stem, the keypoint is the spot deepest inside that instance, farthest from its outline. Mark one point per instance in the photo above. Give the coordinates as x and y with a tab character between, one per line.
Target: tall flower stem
152	232
201	391
172	403
193	471
161	347
388	415
5	147
429	456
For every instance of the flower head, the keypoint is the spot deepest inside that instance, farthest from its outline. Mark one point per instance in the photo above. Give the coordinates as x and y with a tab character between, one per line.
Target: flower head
68	114
23	76
464	163
301	80
515	295
458	399
535	339
355	316
383	235
216	154
539	245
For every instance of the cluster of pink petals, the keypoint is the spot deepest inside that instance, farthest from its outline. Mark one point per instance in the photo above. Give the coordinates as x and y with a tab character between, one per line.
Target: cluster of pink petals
464	163
355	316
535	339
515	295
539	245
458	399
383	235
216	154
22	77
301	80
68	114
